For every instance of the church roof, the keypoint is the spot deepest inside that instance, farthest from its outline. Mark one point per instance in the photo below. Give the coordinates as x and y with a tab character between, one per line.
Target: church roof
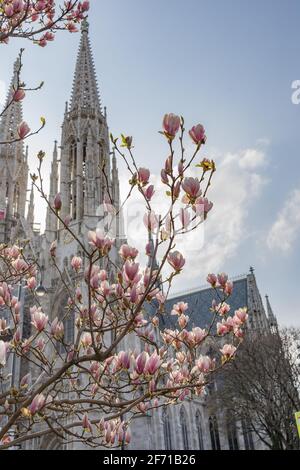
200	302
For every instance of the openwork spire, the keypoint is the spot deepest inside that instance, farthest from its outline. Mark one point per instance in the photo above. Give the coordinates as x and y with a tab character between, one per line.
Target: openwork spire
85	89
14	114
271	316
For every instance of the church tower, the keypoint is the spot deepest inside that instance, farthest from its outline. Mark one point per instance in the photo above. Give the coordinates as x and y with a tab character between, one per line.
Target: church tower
85	154
13	163
83	170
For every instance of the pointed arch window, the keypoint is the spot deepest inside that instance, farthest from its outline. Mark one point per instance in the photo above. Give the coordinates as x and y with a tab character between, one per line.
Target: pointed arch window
232	433
184	429
247	434
199	431
167	429
214	433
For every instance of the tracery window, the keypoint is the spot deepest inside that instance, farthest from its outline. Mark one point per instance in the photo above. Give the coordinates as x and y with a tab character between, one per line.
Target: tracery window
214	433
184	429
199	431
167	429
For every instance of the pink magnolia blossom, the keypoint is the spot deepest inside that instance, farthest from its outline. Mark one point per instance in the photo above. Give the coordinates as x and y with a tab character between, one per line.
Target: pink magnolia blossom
9	11
183	321
202	206
143	176
191	186
131	271
141	362
241	314
205	364
184	217
171	125
212	279
23	129
86	424
152	364
223	309
100	241
160	297
176	260
228	288
57	329
164	176
72	27
222	279
3	325
128	252
41	344
86	340
179	308
19	95
222	329
18	6
199	334
123	359
76	263
149	192
57	203
25	381
151	221
37	404
38	319
31	283
197	134
228	350
20	265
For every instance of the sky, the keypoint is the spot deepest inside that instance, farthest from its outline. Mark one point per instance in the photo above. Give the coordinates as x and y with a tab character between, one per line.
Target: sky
227	64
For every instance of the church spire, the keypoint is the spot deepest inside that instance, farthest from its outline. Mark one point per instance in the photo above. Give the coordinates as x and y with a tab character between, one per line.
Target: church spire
30	212
271	317
51	221
13	162
13	116
85	94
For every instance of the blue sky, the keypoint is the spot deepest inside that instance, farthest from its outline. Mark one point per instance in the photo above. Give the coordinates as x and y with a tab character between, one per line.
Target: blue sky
228	64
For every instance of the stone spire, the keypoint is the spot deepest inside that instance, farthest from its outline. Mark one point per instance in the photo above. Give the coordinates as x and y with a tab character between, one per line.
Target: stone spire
85	89
51	221
84	143
13	161
30	212
271	317
257	315
13	116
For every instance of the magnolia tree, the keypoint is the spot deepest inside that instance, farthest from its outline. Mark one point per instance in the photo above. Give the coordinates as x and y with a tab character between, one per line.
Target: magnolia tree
91	389
37	21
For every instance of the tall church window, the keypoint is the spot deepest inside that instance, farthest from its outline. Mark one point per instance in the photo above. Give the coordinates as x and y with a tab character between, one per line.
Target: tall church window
247	434
199	431
167	429
214	433
73	170
184	430
232	433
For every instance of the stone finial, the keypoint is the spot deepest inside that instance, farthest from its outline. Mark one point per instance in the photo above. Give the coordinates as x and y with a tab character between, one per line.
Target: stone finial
85	26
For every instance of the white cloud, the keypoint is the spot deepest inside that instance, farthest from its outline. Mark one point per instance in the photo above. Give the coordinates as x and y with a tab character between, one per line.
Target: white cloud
235	187
286	228
252	158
